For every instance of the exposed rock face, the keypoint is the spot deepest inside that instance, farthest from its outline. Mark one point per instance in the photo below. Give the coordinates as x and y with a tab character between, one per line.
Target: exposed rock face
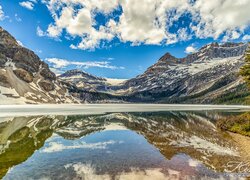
84	81
47	85
201	76
24	76
3	79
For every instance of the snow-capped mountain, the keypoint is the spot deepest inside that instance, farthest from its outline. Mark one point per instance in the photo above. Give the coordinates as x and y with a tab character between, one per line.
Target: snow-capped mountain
198	77
207	76
88	82
24	78
84	80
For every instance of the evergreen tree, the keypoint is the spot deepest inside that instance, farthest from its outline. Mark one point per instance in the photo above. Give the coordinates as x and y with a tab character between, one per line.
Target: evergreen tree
245	70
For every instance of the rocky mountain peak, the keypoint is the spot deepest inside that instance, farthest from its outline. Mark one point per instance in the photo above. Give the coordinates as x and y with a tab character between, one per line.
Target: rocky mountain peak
216	50
72	72
22	58
207	52
167	57
6	39
24	77
79	74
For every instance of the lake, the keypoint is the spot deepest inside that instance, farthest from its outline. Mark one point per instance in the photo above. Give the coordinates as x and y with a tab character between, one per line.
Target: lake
121	145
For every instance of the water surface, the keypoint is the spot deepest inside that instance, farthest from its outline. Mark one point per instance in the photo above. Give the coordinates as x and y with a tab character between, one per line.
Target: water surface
149	145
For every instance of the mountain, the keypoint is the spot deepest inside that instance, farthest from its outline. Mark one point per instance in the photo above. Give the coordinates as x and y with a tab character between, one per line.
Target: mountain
208	76
200	77
88	82
24	78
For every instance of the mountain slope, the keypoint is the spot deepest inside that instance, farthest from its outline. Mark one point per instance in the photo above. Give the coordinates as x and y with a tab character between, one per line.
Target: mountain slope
207	76
24	78
88	82
197	78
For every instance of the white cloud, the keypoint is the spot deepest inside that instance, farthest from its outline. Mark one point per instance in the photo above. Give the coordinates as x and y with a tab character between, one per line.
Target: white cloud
2	17
18	19
219	16
138	26
56	71
53	31
20	43
231	35
190	49
27	4
147	21
246	37
61	63
40	32
183	35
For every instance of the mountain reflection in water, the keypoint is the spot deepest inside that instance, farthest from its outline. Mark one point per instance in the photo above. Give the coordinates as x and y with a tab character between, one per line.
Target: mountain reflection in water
116	146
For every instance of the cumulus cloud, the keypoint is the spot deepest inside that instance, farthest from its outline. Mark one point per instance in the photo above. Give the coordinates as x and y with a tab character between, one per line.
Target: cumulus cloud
146	21
231	35
190	49
2	17
61	63
51	32
27	4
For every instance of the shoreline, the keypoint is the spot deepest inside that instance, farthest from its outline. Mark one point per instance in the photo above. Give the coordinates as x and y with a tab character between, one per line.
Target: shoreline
88	109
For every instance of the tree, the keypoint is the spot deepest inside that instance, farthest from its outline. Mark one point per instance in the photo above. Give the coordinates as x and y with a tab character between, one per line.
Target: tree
245	69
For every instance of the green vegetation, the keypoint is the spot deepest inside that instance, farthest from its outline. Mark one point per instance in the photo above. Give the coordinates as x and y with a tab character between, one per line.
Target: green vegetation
245	70
237	124
240	95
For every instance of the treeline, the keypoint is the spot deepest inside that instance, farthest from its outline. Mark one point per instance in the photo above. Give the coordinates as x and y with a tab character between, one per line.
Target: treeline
245	70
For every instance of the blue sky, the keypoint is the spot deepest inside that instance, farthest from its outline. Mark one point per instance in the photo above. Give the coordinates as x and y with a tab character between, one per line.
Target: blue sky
121	38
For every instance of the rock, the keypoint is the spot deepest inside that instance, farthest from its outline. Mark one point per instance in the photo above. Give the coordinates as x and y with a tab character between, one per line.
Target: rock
24	75
28	78
47	85
46	73
213	67
84	80
3	79
3	60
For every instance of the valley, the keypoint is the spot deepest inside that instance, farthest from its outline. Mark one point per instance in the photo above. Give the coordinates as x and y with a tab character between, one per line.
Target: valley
209	76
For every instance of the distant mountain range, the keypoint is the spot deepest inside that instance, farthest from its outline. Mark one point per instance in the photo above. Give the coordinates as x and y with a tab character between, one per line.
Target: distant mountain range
89	82
201	77
207	76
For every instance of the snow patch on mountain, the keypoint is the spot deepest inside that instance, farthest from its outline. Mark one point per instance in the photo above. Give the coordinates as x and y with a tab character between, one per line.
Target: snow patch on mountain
115	82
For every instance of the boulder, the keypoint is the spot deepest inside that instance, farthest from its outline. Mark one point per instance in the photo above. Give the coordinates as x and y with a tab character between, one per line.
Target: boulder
46	85
23	75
